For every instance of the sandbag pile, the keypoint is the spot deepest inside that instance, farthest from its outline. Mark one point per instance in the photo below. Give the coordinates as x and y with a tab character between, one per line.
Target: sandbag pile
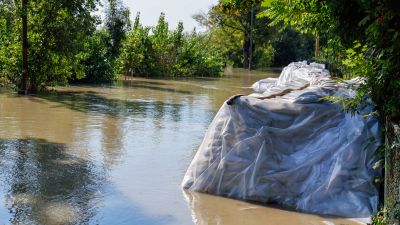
285	145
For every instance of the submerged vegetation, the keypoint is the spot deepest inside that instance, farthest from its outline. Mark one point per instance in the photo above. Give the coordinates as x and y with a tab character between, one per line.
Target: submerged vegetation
65	41
161	52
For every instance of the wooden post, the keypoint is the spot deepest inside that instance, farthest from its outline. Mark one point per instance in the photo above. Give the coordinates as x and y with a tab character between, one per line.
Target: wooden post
25	74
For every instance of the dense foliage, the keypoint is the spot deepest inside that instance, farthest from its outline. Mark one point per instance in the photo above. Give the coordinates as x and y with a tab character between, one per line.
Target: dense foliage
96	61
229	26
8	61
117	23
67	42
290	45
361	38
57	33
161	52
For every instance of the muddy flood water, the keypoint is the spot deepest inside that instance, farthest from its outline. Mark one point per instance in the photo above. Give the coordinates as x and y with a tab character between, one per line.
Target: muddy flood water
117	154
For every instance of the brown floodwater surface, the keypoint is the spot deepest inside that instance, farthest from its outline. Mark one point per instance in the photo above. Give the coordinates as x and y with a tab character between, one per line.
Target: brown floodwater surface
116	154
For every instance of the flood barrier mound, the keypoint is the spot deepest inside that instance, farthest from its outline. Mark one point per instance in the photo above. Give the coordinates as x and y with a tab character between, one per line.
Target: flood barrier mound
285	144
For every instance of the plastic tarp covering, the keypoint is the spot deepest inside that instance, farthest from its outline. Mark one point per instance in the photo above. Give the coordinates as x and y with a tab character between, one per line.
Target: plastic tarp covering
292	149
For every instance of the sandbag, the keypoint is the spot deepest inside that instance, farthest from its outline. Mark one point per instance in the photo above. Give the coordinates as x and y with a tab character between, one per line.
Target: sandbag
295	150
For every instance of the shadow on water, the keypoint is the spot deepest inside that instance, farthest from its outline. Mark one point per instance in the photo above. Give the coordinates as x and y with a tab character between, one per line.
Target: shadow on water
43	184
91	102
154	86
147	82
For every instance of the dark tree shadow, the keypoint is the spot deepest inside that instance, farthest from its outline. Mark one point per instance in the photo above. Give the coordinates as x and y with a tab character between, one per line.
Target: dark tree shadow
154	86
46	185
89	102
42	183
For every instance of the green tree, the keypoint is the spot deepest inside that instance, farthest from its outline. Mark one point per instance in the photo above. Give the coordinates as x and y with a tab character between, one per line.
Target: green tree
198	57
374	24
57	32
313	17
291	46
25	73
277	45
137	55
10	36
168	53
359	34
98	67
227	39
362	39
118	24
162	46
239	15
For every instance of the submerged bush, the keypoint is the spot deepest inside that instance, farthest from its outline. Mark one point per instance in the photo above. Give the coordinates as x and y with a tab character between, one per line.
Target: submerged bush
159	52
97	64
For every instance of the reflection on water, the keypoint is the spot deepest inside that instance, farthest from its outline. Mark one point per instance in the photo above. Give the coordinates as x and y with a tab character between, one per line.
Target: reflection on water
207	209
46	185
115	154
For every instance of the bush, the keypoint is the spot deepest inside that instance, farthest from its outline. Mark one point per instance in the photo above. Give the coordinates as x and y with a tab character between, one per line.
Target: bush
264	56
96	62
167	53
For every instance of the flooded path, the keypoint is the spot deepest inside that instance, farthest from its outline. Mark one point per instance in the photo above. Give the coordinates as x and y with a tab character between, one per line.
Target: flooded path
117	155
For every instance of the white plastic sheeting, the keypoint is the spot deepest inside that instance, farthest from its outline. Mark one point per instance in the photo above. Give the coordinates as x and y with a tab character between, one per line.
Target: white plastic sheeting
294	149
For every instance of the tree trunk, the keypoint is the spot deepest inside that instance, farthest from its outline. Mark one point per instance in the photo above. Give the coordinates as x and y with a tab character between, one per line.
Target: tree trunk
392	174
25	74
246	52
317	44
251	37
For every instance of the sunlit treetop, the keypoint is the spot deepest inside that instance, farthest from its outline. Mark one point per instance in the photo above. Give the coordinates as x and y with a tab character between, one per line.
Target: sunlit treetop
307	16
236	7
